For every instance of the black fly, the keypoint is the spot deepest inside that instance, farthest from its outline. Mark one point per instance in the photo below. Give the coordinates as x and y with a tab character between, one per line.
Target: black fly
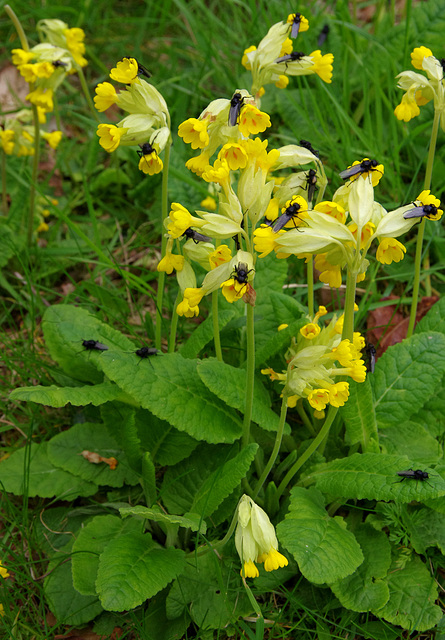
146	352
236	104
414	474
145	150
291	213
363	167
311	183
58	63
94	345
295	25
323	35
241	273
195	236
424	211
370	353
307	145
290	57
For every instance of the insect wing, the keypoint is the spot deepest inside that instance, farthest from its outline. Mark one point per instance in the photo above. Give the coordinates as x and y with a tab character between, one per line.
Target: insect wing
416	212
234	113
295	29
200	237
281	222
100	347
352	171
142	71
287	58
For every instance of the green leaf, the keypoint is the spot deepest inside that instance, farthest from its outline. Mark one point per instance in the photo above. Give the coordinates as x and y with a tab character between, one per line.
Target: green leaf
192	521
64	451
374	476
7	244
403	439
171	389
42	477
364	589
412	594
210	591
53	396
66	603
278	341
119	420
132	568
322	546
426	529
65	327
359	416
432	416
167	445
407	375
434	320
89	544
201	483
203	333
228	383
157	625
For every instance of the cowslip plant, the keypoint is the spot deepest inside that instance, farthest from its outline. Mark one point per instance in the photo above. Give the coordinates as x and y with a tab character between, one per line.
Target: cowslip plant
194	457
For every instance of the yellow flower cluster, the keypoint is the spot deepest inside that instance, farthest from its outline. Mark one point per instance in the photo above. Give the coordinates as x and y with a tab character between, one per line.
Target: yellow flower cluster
148	122
315	358
17	134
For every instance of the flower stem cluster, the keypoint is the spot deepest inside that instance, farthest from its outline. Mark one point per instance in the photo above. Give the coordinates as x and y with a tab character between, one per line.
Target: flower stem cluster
255	540
148	122
274	59
46	65
17	133
315	359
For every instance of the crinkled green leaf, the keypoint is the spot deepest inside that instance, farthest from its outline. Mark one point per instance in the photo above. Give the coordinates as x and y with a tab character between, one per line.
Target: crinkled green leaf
53	396
359	416
434	320
89	544
65	327
192	521
374	476
404	438
210	592
132	568
167	445
229	383
324	549
407	376
159	626
432	415
64	451
66	603
426	528
171	389
413	592
364	589
203	333
43	478
120	422
200	484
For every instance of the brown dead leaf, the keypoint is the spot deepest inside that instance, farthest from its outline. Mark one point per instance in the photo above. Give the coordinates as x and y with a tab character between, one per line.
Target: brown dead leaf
95	458
13	89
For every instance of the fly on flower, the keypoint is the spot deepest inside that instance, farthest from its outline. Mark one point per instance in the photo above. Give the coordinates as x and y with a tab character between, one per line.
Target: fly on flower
236	104
142	71
311	183
307	145
299	23
195	236
149	161
426	205
290	57
290	213
241	273
365	166
427	211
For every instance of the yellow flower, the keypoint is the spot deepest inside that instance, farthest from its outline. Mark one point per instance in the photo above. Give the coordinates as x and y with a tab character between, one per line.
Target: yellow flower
27	71
357	371
42	227
245	60
292	401
7	140
417	56
286	47
332	209
189	305
282	326
282	82
272	210
233	290
20	56
53	139
219	172
390	250
198	164
339	394
264	239
3	572
105	96
310	331
251	570
234	154
44	69
150	163
329	273
322	65
171	262
318	399
298	20
426	198
209	203
273	560
42	98
221	255
125	71
74	40
407	109
110	136
2	610
194	132
252	120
